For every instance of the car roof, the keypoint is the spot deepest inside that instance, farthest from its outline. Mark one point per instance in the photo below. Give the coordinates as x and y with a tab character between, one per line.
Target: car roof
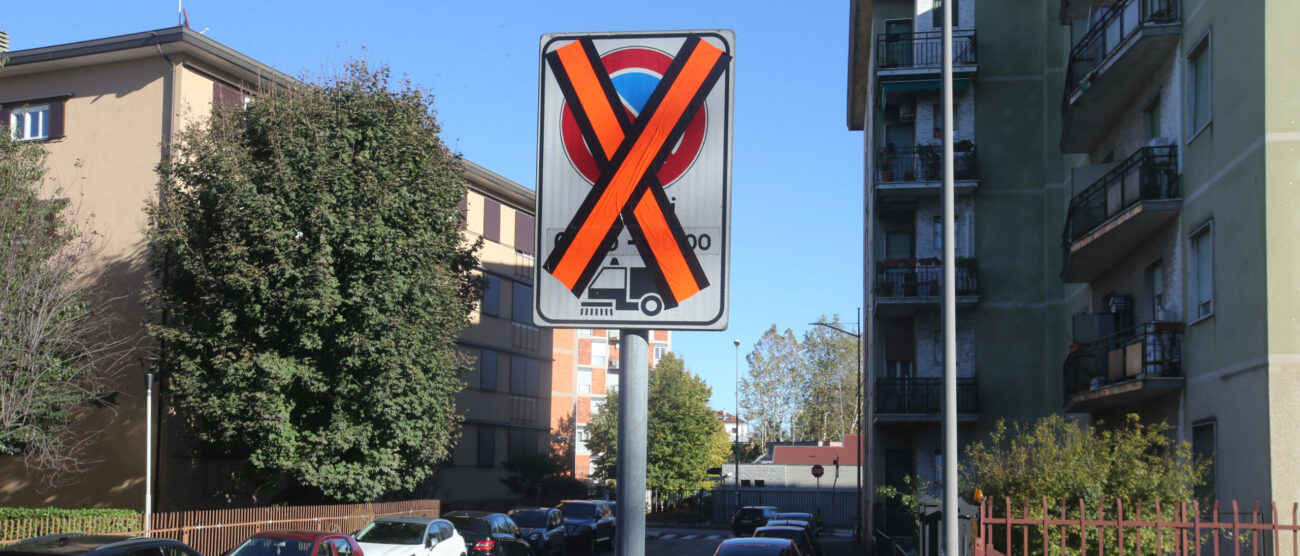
530	509
797	513
789	522
297	534
78	543
477	514
407	519
760	508
757	542
780	528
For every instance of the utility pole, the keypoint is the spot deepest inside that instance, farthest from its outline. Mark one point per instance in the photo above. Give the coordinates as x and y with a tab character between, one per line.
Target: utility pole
633	393
736	446
949	304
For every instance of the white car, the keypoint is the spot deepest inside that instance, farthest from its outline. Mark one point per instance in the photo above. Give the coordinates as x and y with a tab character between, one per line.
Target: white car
410	536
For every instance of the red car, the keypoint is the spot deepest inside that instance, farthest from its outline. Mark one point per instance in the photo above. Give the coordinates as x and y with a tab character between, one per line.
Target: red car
298	543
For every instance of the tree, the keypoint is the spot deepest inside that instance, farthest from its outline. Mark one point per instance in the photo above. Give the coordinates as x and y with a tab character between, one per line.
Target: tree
771	392
527	472
314	281
60	344
830	407
684	437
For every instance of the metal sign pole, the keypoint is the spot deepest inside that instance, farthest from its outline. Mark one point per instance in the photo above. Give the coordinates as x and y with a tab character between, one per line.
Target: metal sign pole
633	392
949	304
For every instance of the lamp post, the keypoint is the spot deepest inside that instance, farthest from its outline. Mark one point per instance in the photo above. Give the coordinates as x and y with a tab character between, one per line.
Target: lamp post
735	447
857	425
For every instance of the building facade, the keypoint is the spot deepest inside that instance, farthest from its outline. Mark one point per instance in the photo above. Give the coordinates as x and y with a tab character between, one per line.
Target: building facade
1132	235
586	372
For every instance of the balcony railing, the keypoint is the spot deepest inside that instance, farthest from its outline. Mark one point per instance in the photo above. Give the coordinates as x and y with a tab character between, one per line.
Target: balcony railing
1149	174
1106	36
1153	349
923	50
917	278
923	163
923	396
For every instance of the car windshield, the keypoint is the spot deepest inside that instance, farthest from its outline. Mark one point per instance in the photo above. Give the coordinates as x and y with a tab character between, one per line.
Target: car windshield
792	534
263	546
751	512
469	526
798	516
392	532
529	518
581	510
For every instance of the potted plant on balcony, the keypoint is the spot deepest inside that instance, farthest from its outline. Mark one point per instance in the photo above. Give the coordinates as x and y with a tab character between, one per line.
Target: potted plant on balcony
931	161
885	162
968	266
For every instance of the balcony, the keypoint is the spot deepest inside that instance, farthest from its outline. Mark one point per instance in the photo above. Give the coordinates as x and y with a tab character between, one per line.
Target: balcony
1124	368
905	286
920	399
910	54
1111	65
1118	211
911	171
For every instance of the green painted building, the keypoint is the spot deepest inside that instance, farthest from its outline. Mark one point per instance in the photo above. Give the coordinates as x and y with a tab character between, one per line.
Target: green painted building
1126	211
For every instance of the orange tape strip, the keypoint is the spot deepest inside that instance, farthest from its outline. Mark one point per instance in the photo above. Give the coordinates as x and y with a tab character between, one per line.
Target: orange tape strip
590	95
634	167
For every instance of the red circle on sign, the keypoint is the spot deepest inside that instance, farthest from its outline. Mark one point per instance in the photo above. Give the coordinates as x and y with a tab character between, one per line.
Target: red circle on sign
818	471
683	153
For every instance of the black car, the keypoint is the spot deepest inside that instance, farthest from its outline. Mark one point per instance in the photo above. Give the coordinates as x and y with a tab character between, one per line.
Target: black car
750	518
588	523
749	546
77	544
544	529
797	534
489	534
807	527
803	516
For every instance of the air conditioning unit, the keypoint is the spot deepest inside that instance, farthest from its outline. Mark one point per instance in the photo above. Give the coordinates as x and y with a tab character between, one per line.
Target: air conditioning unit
1160	142
907	110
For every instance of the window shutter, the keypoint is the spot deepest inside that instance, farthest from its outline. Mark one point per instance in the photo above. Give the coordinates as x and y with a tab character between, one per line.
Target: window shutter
225	96
56	119
492	220
524	233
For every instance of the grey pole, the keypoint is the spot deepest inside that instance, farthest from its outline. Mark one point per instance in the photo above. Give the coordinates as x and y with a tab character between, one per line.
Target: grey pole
633	391
736	447
949	304
148	453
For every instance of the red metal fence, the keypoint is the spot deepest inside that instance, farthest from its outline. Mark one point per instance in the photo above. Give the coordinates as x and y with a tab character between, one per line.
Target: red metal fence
214	532
1182	529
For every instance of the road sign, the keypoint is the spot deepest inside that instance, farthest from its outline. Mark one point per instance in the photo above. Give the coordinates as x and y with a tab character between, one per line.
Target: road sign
634	180
818	471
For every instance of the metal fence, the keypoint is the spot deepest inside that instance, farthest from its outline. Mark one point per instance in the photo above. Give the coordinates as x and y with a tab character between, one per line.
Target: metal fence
923	163
922	281
1179	529
923	50
214	532
1152	349
923	395
1120	22
1149	174
838	507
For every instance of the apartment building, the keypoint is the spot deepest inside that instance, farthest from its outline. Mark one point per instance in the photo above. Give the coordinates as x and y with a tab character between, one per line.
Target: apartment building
103	109
1133	234
586	371
1007	183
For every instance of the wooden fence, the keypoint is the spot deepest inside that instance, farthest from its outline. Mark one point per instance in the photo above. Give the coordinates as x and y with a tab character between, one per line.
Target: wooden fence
1181	529
213	532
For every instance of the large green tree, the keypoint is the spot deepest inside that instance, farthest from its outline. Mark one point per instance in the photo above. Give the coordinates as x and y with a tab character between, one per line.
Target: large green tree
313	280
684	436
829	406
771	393
60	343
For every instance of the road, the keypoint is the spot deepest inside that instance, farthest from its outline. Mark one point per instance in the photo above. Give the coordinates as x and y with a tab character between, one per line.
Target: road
702	542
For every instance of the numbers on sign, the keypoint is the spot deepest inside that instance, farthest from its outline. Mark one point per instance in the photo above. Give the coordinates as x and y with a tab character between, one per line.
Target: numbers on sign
701	242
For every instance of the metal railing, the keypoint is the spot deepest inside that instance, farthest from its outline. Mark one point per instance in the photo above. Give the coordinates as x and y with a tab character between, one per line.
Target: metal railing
894	281
1150	349
1106	35
923	50
922	163
1149	174
923	395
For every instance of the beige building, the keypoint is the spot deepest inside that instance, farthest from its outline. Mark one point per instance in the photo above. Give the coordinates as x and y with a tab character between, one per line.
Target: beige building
103	109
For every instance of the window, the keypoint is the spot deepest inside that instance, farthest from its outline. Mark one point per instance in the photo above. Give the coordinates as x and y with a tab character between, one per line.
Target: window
1151	118
937	19
938	235
584	380
898	245
937	334
487	446
487	370
492	220
1203	449
660	351
492	296
522	442
583	436
938	470
326	548
611	381
1202	271
599	353
524	233
342	546
1198	87
1156	285
524	376
30	123
521	306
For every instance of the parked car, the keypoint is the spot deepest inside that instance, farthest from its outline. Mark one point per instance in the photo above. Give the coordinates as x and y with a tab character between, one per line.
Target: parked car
749	518
410	536
799	535
543	528
807	527
749	546
588	523
298	543
489	534
77	544
803	516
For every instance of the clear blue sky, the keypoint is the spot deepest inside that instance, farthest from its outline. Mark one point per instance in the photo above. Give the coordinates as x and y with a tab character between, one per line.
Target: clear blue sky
797	212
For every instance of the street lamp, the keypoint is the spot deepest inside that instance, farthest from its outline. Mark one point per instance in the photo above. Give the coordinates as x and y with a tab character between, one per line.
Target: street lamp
862	460
735	447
